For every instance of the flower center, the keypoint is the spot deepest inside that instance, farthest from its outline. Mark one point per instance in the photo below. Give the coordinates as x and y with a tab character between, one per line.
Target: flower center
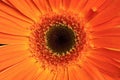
60	38
57	39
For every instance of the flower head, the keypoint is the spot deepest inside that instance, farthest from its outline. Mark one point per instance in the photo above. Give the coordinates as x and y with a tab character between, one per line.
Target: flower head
59	40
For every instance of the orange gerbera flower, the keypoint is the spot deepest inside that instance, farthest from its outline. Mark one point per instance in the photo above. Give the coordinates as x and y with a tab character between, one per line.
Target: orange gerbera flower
60	39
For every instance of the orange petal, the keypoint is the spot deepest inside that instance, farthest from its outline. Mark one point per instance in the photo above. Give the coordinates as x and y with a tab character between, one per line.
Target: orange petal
90	9
107	77
71	75
93	71
74	4
6	64
107	42
108	53
66	4
37	74
31	73
12	48
11	55
13	12
26	71
86	5
13	39
51	76
13	27
107	33
9	63
56	5
44	75
34	8
90	4
110	24
80	5
78	73
9	18
12	51
20	70
61	74
105	64
106	14
7	2
105	59
43	5
25	9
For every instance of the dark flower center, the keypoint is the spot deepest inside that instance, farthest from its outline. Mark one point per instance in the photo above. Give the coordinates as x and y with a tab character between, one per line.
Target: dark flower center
60	38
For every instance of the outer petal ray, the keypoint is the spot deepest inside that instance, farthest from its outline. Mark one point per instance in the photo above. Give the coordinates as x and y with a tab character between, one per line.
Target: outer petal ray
107	33
107	77
13	27
13	12
14	60
73	4
12	48
9	61
43	5
31	65
18	69
106	14
107	42
13	39
78	73
44	75
7	2
110	24
66	4
106	53
26	9
103	57
61	74
38	73
56	5
16	20
32	73
96	74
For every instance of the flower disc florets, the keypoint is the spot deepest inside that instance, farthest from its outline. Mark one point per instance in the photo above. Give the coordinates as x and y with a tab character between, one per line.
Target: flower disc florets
57	39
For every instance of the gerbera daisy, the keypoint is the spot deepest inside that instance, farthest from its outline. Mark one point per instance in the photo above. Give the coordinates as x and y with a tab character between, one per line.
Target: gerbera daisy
59	39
